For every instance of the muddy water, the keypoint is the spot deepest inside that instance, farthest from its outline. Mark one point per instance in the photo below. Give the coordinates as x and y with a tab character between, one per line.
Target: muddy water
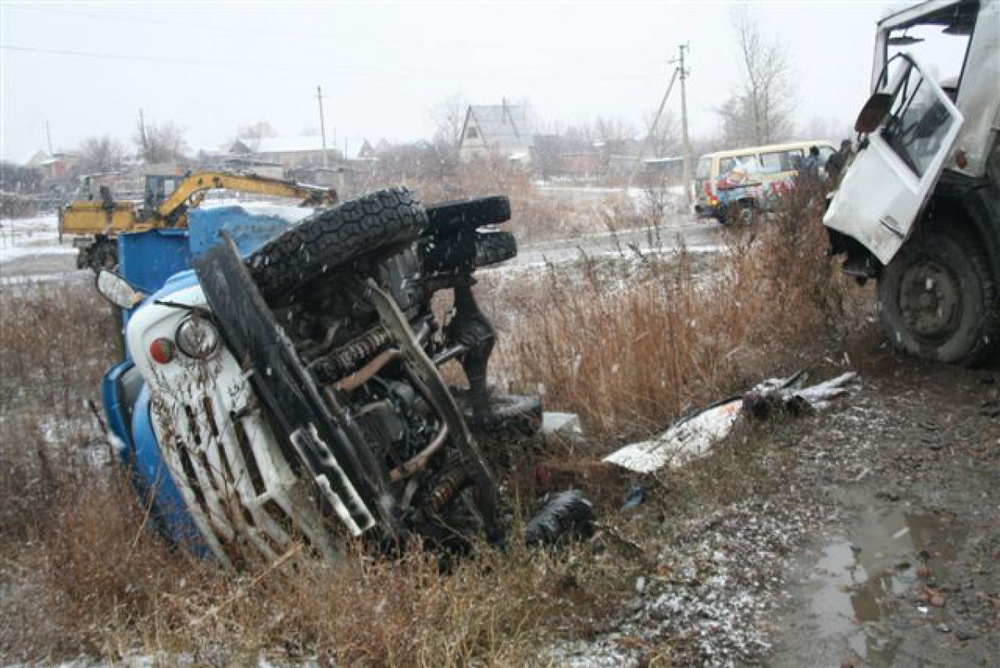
870	586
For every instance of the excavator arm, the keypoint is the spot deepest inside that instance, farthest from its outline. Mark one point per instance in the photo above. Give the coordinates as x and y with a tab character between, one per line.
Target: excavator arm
172	213
103	220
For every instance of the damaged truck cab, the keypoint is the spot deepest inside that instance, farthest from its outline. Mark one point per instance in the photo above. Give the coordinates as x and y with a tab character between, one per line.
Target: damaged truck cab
281	386
919	207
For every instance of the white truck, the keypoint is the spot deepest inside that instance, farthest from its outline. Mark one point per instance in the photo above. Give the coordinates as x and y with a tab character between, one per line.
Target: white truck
919	207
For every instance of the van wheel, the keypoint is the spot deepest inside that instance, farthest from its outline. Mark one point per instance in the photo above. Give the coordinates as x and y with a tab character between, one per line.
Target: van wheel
938	300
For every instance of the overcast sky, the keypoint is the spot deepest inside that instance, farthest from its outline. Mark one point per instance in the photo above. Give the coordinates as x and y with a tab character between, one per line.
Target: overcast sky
87	68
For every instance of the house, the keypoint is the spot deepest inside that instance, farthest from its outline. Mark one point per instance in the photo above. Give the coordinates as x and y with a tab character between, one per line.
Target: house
54	166
496	131
285	151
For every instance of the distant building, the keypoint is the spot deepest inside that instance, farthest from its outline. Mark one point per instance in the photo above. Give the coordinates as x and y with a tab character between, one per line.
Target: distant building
53	166
285	151
496	131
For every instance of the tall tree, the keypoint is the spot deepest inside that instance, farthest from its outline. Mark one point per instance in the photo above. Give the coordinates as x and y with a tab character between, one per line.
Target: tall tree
759	111
100	154
159	143
448	115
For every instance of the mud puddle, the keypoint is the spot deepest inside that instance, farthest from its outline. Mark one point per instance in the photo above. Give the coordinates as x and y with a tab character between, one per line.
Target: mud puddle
876	581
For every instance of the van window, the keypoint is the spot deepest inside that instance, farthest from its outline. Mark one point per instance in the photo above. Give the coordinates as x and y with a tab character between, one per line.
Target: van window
776	162
747	162
704	169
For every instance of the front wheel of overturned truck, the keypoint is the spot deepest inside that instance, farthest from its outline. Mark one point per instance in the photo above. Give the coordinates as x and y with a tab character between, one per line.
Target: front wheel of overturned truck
938	300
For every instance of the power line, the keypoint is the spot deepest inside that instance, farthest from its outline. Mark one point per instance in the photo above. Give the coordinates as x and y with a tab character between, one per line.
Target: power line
531	72
341	38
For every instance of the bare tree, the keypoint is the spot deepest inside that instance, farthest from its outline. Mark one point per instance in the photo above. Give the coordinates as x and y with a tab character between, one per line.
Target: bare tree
159	143
664	139
100	154
613	134
759	111
18	179
448	115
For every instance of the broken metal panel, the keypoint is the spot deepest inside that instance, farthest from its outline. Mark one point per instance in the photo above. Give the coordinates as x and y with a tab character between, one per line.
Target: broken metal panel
689	439
693	437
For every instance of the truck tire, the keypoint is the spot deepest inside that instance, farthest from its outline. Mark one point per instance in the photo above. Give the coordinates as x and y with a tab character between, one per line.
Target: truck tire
318	244
494	246
938	300
447	217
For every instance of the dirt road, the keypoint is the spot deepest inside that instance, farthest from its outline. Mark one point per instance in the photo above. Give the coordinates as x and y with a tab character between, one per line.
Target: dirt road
871	536
905	570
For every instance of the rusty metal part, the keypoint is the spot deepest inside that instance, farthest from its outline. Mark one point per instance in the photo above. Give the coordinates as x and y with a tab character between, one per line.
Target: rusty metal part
450	354
419	461
349	357
450	483
308	350
365	373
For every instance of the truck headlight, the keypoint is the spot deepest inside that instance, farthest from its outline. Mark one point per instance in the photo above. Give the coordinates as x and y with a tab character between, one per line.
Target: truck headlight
197	337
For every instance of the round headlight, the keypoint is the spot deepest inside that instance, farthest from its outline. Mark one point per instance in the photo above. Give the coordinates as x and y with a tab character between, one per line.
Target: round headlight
197	337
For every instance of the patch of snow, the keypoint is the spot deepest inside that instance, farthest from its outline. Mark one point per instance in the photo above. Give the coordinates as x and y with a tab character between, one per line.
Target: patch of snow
24	237
291	214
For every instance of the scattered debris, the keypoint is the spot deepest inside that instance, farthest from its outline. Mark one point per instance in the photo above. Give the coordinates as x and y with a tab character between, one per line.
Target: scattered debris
788	394
688	439
634	495
692	437
566	515
566	425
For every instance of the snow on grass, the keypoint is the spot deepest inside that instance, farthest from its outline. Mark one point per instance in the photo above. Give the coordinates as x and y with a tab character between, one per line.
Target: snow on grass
24	237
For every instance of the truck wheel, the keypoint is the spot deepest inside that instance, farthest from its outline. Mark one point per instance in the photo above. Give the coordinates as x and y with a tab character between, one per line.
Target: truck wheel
938	300
333	236
494	246
447	217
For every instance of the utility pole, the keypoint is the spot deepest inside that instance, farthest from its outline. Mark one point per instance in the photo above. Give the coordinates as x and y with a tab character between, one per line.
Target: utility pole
142	137
322	125
652	130
684	126
48	134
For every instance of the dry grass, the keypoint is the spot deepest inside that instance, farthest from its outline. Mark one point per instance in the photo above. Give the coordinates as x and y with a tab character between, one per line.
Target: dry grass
630	344
627	344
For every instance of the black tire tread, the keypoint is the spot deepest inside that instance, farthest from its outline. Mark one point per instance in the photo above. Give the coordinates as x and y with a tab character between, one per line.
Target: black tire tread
494	246
988	326
445	217
333	236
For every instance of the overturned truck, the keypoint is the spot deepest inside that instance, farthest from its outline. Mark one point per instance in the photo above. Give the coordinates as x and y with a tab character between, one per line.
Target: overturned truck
919	207
284	391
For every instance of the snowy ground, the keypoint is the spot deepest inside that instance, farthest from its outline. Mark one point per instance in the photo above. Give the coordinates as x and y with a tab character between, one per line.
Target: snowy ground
31	236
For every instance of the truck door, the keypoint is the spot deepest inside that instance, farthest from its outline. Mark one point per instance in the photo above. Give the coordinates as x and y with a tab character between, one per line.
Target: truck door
892	177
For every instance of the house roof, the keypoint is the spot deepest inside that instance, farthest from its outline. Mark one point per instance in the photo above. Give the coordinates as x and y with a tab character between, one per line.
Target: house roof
355	147
289	145
502	125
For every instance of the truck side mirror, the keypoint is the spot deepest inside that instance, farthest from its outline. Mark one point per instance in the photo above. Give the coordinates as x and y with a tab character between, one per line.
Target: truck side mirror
873	113
117	290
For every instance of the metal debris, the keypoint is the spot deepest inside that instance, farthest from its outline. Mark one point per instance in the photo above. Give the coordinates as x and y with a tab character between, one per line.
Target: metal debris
692	437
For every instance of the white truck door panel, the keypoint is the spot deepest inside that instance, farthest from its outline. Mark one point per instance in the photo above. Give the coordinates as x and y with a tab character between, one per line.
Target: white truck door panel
889	182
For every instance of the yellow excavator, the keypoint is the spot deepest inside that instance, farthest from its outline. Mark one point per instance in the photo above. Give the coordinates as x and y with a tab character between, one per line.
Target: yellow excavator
100	221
